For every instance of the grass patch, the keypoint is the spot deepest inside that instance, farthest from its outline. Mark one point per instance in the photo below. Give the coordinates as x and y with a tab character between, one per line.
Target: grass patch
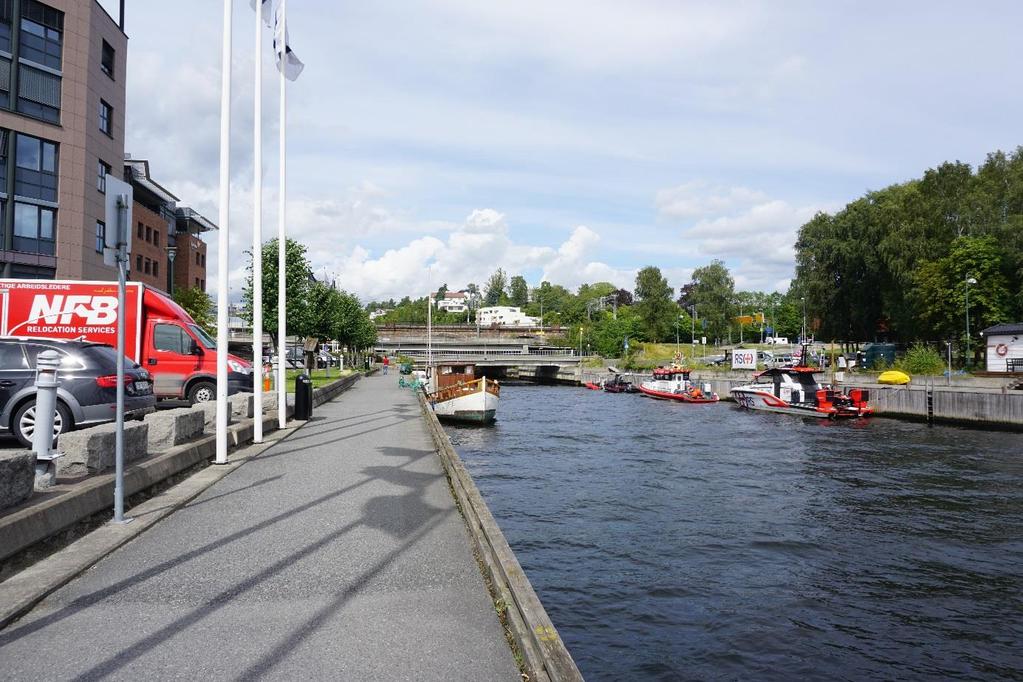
319	376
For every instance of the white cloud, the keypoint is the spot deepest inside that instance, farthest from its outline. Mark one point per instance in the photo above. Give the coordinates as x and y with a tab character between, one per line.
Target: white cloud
699	199
470	253
753	233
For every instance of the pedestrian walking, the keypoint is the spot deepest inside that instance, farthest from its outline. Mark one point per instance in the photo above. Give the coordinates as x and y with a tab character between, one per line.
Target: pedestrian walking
387	361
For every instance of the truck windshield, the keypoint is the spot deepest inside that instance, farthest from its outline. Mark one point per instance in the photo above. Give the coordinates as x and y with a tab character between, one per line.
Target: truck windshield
203	337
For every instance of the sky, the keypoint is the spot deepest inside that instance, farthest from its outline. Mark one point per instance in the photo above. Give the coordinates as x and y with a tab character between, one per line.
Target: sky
432	141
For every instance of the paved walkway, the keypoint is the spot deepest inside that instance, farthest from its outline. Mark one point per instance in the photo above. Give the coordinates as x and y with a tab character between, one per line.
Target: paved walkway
336	554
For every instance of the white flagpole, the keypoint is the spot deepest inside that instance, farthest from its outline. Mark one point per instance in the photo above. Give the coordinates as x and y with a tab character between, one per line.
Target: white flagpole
257	239
223	242
282	413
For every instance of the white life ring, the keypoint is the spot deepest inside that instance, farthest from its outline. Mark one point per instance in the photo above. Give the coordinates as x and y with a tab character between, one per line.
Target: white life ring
1002	350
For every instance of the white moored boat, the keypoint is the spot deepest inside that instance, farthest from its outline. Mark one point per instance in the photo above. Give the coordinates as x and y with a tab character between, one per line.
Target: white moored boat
795	390
456	394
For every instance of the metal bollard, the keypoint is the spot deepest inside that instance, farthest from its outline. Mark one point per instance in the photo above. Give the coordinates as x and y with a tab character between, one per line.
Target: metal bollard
47	363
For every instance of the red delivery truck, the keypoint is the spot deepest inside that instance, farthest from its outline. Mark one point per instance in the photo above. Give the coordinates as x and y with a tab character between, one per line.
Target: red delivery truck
159	335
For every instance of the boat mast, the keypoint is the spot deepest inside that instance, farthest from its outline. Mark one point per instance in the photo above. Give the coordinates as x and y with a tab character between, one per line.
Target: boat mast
429	336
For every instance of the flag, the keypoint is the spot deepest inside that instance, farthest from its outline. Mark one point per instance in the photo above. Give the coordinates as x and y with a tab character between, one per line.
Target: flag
267	11
287	62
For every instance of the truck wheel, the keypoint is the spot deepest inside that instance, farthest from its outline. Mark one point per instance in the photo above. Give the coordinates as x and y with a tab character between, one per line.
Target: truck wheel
202	392
24	422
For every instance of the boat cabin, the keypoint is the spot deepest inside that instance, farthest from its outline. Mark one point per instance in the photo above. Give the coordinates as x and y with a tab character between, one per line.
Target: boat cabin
792	384
672	378
451	375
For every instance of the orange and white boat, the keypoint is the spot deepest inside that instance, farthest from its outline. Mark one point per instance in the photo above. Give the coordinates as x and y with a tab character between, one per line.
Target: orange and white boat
674	383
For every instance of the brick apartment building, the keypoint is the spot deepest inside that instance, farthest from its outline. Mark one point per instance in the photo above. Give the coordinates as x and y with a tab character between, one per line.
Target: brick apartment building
62	78
167	250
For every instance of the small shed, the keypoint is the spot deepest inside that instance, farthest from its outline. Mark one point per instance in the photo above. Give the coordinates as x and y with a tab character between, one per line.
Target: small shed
1004	343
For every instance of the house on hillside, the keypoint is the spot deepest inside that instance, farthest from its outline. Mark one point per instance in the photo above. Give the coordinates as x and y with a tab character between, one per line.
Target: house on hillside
453	302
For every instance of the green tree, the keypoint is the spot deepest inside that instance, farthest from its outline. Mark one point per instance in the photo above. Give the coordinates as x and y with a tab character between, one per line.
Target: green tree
713	294
298	279
656	310
519	291
495	288
199	305
941	289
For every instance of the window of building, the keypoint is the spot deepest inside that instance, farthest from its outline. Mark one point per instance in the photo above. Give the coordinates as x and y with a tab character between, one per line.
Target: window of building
197	258
35	173
138	263
32	272
149	233
35	228
197	279
101	236
204	259
39	93
102	170
106	118
156	268
148	268
5	137
139	232
156	237
6	18
106	60
42	30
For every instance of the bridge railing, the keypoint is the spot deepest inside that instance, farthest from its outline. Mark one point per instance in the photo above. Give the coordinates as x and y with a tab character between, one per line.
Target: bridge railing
481	353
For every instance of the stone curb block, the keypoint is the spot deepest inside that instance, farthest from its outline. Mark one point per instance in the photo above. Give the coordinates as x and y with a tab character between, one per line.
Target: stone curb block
91	450
17	477
545	655
174	427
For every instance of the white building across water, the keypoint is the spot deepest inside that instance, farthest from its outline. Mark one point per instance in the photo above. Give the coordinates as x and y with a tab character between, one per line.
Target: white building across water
504	316
1004	344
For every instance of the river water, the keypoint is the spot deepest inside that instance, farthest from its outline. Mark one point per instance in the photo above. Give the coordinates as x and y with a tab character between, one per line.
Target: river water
672	541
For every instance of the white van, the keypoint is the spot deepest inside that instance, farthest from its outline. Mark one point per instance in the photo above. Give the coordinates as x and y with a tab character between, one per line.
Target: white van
778	340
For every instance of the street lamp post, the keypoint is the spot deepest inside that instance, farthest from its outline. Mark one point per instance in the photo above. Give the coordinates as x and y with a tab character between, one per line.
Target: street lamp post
969	281
172	251
693	338
803	338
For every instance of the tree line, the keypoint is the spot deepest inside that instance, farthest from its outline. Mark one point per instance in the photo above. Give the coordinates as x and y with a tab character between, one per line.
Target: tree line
902	262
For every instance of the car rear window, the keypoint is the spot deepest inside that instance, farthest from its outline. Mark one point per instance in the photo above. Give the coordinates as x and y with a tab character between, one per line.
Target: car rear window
70	359
105	357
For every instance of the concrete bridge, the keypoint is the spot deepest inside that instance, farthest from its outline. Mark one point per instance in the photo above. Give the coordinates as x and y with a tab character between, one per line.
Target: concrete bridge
507	358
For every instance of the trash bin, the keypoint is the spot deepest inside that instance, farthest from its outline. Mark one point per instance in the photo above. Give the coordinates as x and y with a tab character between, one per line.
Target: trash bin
303	397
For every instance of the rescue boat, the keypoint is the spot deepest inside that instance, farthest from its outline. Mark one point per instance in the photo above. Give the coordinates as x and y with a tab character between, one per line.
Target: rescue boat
795	390
674	383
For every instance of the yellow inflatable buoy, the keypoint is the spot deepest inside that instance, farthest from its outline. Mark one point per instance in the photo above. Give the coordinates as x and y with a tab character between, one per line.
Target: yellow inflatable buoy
893	376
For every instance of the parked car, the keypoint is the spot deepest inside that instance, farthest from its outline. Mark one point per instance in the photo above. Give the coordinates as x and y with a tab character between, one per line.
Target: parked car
87	394
786	360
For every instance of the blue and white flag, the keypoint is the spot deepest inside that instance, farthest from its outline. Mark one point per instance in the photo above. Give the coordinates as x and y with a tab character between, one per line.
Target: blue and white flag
288	62
267	11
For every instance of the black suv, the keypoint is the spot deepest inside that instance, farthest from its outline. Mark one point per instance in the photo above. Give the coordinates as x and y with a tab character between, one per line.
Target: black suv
87	394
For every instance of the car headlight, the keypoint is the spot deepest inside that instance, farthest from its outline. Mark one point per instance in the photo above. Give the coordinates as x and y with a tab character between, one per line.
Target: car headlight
238	367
